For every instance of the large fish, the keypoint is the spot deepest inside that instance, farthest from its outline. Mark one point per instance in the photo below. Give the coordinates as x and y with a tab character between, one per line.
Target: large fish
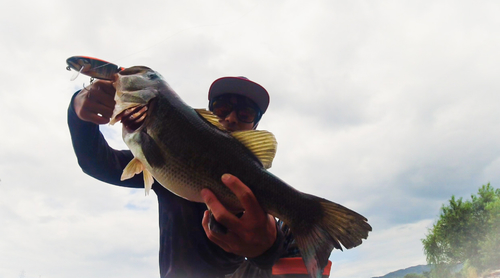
187	150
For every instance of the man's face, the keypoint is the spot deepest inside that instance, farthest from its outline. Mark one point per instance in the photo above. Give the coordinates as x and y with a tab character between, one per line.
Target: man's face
235	112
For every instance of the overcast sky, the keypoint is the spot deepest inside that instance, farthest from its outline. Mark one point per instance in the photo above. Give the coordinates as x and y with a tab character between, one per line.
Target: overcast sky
387	107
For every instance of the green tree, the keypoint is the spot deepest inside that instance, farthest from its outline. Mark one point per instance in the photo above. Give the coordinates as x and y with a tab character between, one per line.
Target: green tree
466	231
490	247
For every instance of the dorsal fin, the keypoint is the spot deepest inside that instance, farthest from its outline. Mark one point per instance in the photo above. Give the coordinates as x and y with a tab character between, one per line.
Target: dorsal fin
260	142
210	117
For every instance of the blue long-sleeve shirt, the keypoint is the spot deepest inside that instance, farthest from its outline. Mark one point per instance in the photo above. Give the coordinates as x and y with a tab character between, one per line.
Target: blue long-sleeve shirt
185	250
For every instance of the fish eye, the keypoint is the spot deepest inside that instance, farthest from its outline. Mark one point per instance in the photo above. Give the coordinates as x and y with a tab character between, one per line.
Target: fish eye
152	75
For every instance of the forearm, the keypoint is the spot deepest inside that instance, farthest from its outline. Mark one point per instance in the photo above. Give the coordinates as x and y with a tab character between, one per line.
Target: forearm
95	156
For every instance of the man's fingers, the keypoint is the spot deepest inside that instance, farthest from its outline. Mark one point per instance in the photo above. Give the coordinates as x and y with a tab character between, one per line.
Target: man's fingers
95	103
215	226
98	96
105	86
102	92
249	236
140	119
89	114
102	109
244	194
221	214
97	120
136	114
106	100
96	108
214	236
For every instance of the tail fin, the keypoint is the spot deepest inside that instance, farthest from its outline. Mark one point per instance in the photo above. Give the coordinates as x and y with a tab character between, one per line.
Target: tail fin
338	227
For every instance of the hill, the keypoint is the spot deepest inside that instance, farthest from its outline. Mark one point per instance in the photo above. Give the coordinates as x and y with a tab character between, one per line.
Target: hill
419	269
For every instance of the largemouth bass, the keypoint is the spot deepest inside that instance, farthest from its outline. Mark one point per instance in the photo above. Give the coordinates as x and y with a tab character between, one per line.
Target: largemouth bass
186	150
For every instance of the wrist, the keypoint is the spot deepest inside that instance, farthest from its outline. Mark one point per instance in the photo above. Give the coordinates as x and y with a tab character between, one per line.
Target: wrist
272	254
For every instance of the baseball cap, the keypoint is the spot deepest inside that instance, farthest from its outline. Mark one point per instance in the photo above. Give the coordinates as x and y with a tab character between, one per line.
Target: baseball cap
240	85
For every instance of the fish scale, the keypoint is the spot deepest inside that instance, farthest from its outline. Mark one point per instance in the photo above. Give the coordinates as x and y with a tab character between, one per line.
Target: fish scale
182	171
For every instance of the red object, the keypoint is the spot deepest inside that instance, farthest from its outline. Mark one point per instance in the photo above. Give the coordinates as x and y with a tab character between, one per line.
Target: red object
295	266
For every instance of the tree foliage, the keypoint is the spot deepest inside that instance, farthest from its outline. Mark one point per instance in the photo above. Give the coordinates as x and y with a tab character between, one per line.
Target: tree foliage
466	232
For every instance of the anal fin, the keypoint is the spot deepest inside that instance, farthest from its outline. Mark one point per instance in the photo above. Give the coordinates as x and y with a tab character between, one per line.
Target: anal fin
133	167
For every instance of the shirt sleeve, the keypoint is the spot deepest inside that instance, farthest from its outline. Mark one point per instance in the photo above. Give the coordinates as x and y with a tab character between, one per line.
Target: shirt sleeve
268	258
95	156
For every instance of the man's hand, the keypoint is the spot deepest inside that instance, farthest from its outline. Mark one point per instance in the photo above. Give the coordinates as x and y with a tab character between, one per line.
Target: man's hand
95	103
248	236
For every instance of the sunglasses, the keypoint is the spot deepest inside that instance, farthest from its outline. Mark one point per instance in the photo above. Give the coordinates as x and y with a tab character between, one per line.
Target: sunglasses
246	110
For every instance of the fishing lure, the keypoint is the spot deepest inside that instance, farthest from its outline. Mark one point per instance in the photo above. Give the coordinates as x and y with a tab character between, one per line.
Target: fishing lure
93	67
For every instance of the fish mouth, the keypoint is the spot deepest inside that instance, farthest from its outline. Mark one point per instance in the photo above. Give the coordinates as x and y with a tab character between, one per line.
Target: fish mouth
133	118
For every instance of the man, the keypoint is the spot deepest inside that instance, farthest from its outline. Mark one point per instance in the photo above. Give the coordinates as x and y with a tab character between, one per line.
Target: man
188	247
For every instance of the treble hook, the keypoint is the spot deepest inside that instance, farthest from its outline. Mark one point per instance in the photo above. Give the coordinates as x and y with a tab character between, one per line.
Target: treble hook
76	74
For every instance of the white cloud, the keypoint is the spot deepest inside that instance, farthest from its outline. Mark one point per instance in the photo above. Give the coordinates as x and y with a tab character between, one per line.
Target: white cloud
378	257
386	107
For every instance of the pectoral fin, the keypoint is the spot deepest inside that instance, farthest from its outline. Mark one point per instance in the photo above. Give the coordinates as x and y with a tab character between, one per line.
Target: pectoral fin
135	167
260	142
